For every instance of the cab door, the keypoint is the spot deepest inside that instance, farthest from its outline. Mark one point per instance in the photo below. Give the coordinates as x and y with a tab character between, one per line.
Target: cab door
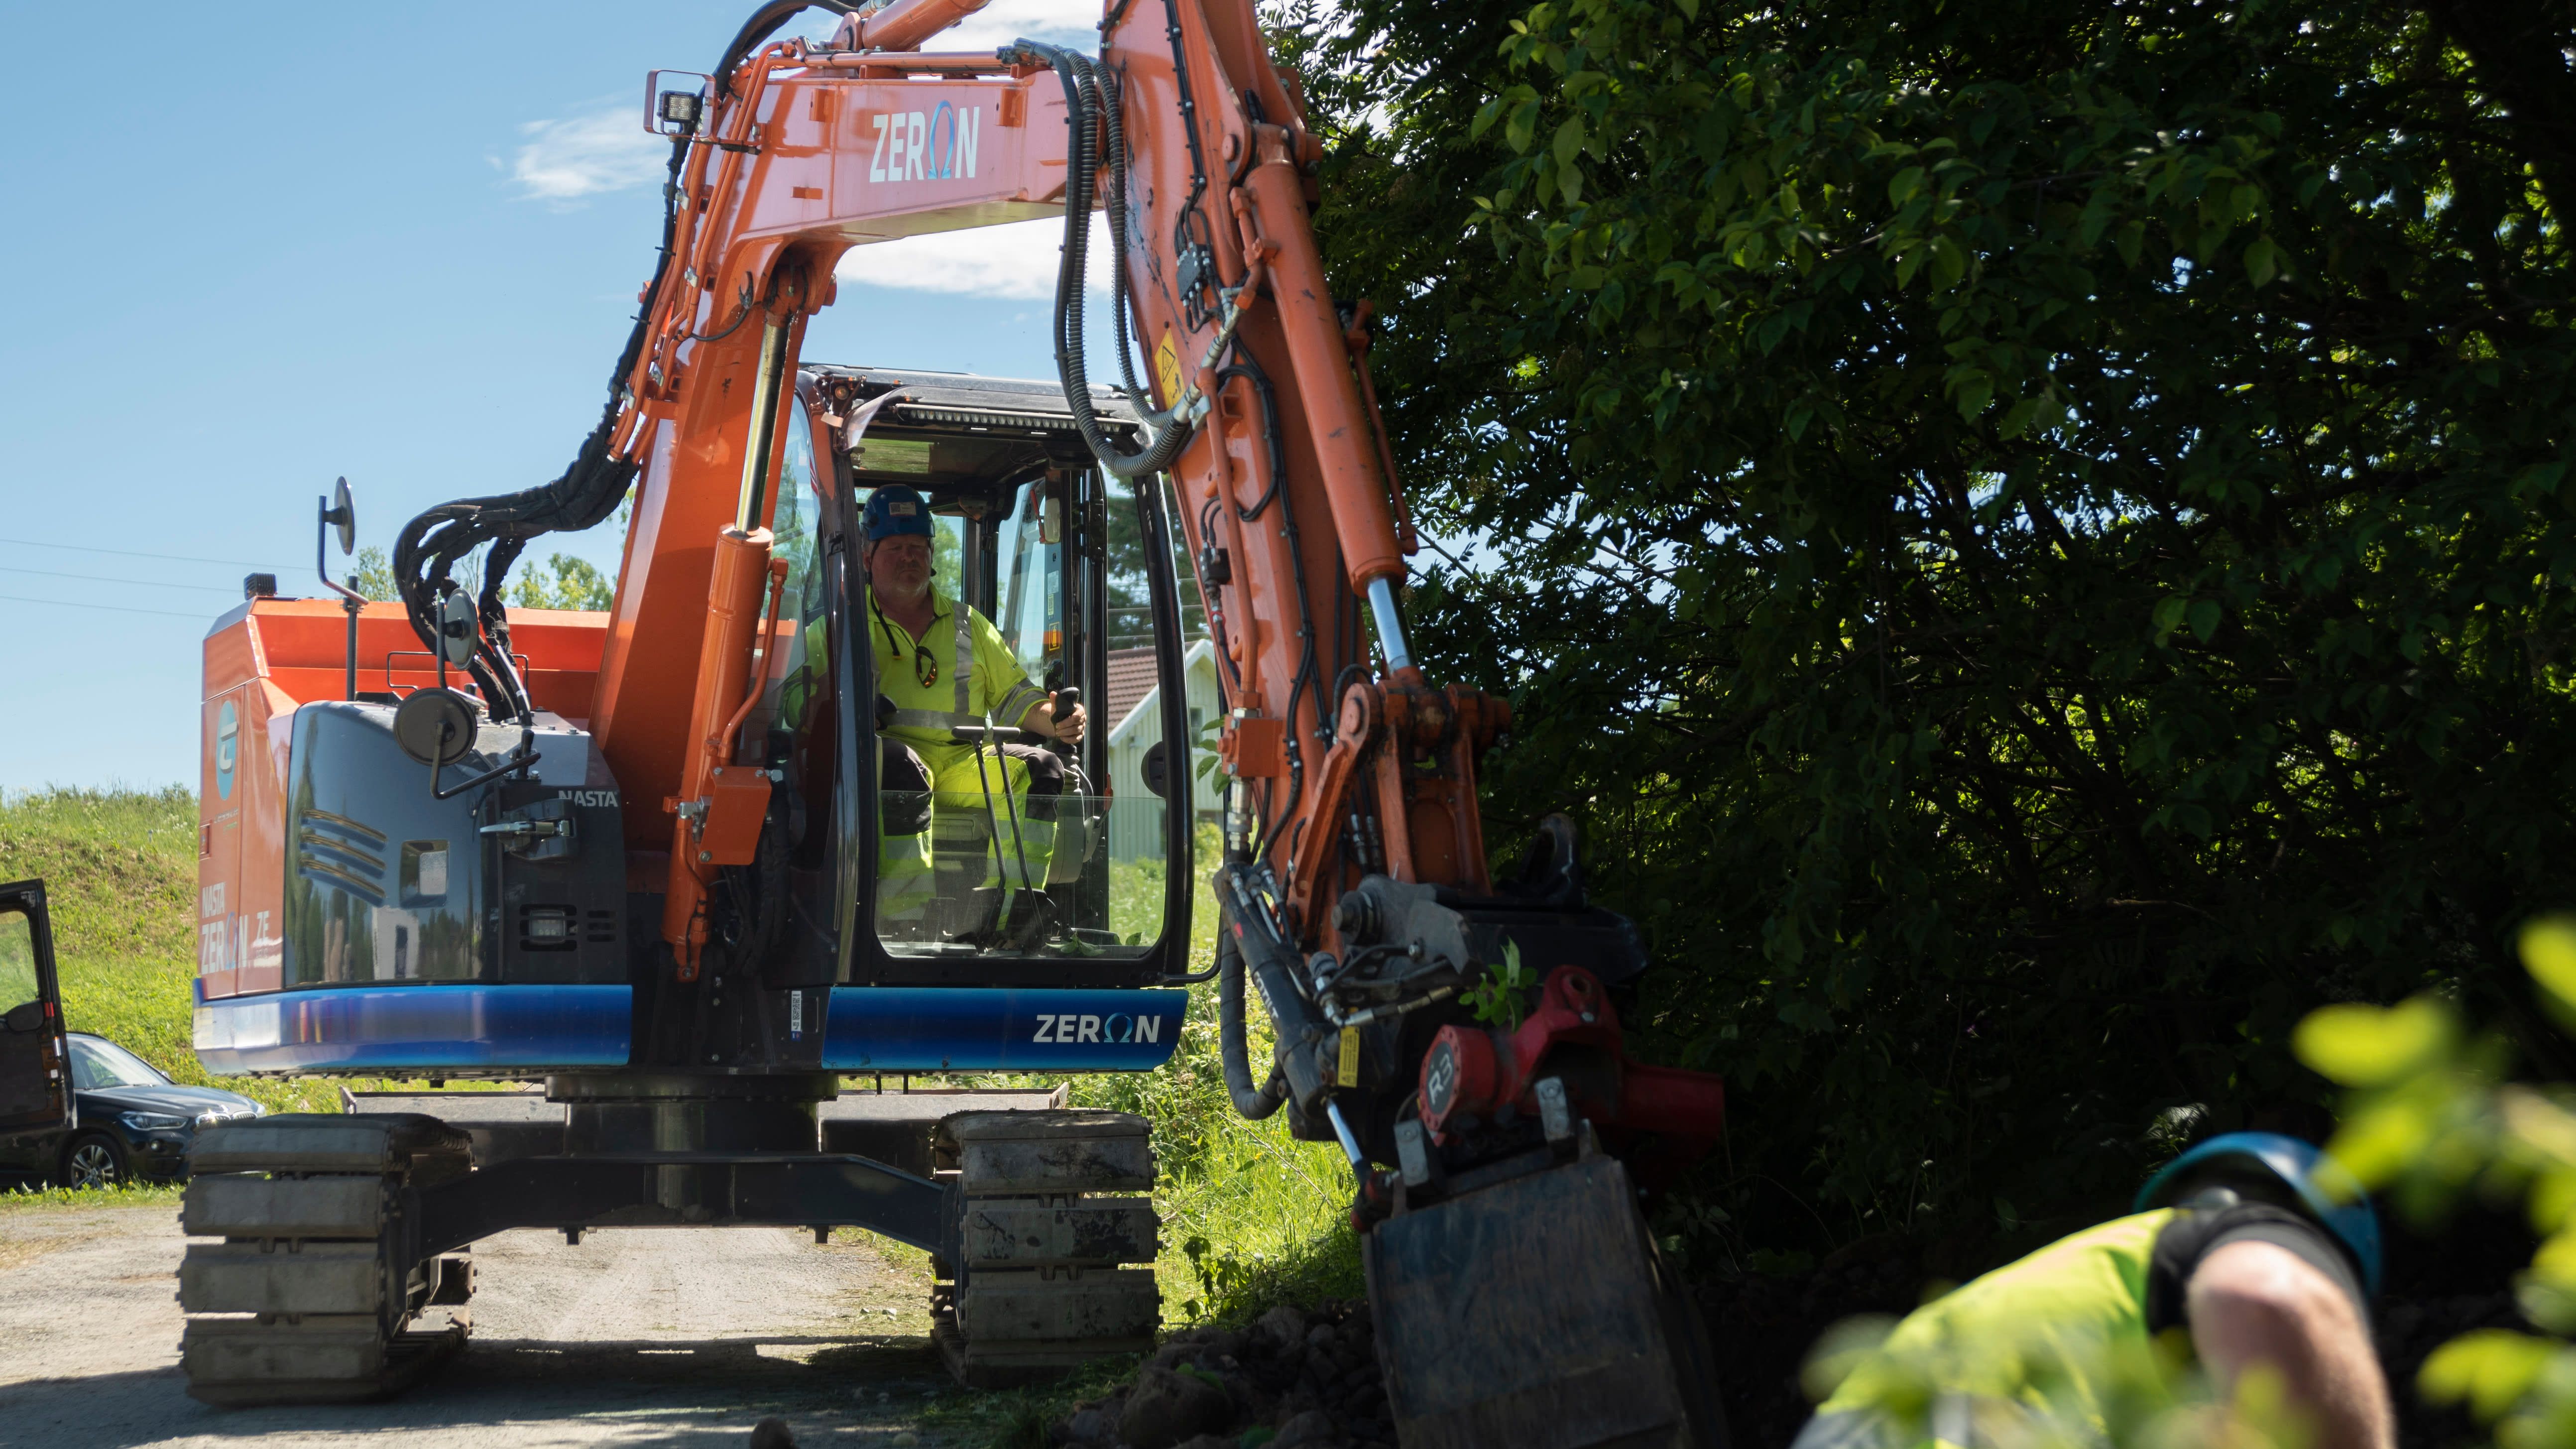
35	1090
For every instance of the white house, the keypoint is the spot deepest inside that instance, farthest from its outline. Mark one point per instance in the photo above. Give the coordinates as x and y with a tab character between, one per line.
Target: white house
1134	833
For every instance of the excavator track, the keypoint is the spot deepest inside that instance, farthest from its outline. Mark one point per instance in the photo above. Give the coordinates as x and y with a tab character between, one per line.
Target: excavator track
1039	1284
311	1296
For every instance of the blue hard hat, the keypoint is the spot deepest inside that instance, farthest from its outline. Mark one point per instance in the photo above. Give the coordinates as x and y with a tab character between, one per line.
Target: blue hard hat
896	509
2324	1187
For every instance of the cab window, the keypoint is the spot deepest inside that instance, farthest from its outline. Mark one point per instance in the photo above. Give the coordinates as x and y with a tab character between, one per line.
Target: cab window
17	962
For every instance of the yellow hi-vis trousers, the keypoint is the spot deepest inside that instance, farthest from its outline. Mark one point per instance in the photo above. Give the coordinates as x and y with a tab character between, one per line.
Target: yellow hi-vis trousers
992	816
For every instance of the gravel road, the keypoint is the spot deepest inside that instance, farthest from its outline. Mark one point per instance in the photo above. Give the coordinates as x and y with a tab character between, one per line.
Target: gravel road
632	1338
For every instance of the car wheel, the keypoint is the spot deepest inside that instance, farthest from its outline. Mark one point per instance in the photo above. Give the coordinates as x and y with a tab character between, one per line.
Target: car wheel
93	1160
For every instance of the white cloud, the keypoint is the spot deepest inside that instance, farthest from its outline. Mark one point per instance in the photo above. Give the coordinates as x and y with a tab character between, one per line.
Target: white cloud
603	149
1016	259
1070	23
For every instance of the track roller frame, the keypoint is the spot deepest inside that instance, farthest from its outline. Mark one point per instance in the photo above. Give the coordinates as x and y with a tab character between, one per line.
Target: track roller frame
1052	1212
311	1295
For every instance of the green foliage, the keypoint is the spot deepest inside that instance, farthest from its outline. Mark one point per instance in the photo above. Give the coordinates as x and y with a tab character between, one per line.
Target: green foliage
1500	997
119	868
2429	1116
372	575
2030	535
561	582
1251	1217
124	1194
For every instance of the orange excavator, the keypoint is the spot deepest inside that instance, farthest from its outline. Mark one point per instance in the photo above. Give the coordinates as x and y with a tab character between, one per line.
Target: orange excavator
658	858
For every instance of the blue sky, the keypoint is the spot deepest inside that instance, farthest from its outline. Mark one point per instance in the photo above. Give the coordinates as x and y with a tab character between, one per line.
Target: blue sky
256	247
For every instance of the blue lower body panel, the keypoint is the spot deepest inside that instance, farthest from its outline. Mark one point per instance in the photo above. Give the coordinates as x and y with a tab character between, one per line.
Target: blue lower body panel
481	1028
458	1028
962	1029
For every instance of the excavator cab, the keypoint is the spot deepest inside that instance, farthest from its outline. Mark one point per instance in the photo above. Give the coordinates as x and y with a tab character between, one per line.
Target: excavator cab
980	852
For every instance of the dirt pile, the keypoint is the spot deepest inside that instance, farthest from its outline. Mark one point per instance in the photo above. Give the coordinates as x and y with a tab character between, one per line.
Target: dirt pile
1310	1375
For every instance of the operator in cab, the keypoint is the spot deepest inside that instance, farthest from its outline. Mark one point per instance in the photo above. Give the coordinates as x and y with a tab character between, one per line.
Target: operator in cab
943	671
2244	1257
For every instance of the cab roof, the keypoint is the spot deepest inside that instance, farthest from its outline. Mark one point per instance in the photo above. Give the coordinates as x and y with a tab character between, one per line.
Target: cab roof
959	436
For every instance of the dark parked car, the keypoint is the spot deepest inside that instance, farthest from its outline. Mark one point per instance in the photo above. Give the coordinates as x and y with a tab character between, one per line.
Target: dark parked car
129	1122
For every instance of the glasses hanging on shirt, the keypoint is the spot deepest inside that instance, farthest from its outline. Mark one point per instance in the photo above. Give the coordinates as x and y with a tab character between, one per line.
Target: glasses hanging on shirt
925	668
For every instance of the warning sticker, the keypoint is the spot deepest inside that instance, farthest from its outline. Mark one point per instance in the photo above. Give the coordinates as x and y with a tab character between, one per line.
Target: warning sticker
1167	369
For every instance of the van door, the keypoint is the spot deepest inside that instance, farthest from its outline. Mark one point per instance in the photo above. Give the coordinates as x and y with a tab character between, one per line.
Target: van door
35	1091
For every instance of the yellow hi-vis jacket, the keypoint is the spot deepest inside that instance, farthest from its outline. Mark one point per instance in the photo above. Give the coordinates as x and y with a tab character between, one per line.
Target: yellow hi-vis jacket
2051	1350
973	674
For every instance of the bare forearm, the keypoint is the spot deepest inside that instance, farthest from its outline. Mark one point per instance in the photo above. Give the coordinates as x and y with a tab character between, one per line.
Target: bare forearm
2256	1304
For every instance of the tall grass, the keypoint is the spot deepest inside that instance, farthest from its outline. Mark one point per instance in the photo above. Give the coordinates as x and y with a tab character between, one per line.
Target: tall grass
1251	1216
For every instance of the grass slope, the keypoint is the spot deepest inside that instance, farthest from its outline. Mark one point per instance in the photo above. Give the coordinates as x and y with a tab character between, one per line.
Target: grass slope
120	873
1250	1217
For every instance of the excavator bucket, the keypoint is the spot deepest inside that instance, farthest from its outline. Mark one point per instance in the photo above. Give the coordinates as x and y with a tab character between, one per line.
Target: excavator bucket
1558	1261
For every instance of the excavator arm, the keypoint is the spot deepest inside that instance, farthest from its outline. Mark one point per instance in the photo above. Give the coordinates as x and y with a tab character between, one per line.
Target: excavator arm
798	153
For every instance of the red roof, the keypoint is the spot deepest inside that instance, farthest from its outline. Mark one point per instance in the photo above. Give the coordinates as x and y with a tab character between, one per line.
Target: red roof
1131	676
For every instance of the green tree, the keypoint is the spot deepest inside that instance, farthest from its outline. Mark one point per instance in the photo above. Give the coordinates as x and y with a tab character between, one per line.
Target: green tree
2033	536
372	575
561	582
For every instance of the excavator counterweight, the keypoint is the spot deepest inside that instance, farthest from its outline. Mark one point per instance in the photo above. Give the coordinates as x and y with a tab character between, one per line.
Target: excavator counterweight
785	815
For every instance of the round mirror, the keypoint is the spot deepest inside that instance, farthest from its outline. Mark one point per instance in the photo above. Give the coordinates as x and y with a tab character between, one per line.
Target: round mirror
434	724
456	629
344	511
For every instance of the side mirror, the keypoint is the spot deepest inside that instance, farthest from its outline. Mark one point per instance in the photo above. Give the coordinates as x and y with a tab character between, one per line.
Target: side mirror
1157	769
338	512
25	1016
343	515
456	629
434	725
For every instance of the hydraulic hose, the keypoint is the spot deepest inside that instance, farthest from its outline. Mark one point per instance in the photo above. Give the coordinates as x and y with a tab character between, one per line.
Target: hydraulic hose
1090	114
764	23
1250	1102
1248	941
588	491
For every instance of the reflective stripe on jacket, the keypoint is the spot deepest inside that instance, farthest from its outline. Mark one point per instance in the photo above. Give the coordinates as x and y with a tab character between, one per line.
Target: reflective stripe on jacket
996	685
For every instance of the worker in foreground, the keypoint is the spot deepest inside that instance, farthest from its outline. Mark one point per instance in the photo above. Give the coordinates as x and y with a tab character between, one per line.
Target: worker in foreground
2241	1256
946	671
